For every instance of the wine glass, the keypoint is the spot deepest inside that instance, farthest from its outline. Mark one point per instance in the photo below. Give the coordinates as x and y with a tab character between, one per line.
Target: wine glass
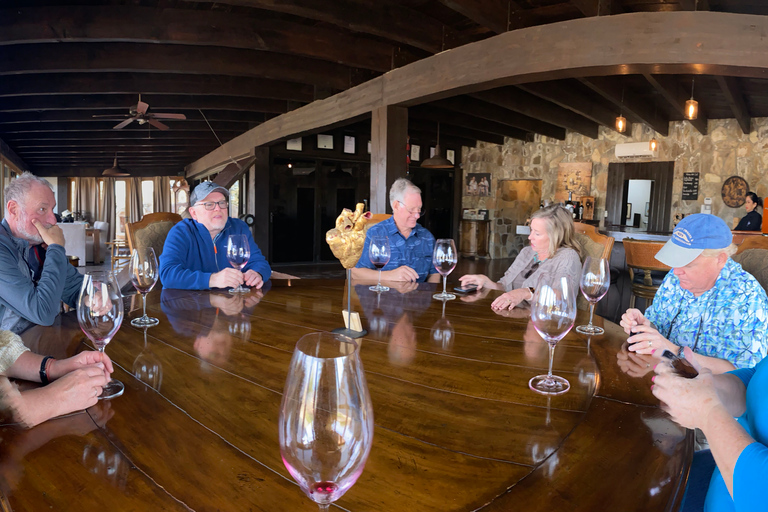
143	271
100	313
594	283
238	254
326	417
553	312
379	253
444	259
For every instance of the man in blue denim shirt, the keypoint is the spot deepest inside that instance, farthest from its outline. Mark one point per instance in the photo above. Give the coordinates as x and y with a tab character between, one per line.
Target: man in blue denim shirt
707	302
410	244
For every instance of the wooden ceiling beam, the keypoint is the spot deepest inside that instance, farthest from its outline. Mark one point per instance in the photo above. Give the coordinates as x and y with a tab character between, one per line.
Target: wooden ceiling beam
134	127
439	115
735	98
598	7
164	58
517	100
491	112
491	14
451	130
675	96
388	20
121	135
155	84
639	111
86	116
52	24
157	103
694	5
97	171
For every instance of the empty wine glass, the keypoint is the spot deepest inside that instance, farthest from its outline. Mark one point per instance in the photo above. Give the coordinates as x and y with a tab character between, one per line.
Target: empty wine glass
444	259
326	417
379	253
143	271
238	254
594	283
553	312
100	313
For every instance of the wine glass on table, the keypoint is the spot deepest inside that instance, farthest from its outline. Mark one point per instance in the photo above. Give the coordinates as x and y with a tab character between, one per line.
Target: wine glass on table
553	312
326	417
100	313
594	283
379	254
143	271
444	258
238	254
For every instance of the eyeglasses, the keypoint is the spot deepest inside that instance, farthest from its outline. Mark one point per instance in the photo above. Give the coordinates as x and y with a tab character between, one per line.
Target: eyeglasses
212	206
417	211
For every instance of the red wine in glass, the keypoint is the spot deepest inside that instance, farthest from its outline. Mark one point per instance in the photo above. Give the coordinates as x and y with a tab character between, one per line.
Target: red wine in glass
379	254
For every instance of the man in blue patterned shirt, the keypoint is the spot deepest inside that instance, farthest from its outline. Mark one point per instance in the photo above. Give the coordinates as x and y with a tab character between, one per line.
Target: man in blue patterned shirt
707	302
410	244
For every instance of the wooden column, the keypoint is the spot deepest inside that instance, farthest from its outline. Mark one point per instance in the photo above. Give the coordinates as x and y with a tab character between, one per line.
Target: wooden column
258	191
389	132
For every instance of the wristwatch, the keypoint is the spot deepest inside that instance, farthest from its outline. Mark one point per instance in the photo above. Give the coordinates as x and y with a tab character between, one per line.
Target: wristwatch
532	290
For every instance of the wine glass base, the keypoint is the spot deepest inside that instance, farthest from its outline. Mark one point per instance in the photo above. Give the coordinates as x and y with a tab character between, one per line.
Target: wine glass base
145	321
379	288
444	296
591	330
113	389
239	289
549	385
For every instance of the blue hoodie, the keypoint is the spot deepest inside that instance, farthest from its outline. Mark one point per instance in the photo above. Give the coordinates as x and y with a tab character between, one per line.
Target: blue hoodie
190	256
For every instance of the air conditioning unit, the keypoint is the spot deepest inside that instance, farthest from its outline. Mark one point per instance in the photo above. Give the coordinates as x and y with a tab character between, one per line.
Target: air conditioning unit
633	149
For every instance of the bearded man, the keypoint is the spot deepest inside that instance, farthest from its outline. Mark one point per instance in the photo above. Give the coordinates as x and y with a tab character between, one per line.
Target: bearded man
34	272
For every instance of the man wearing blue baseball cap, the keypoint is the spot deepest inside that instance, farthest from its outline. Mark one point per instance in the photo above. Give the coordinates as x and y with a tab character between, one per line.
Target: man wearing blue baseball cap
707	302
195	251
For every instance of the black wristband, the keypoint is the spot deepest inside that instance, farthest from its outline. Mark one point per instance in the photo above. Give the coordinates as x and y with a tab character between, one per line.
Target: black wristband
43	372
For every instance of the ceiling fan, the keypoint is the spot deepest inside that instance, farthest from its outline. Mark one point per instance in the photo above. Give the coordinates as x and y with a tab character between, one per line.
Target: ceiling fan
139	113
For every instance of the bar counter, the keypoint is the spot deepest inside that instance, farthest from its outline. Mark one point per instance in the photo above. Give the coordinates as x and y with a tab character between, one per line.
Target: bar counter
456	426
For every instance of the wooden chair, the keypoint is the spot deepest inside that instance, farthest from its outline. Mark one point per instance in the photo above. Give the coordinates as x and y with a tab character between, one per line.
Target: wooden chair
740	237
118	251
751	242
752	255
150	231
590	233
641	255
378	217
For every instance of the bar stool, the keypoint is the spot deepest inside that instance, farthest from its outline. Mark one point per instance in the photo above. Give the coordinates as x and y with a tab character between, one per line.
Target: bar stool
118	250
641	255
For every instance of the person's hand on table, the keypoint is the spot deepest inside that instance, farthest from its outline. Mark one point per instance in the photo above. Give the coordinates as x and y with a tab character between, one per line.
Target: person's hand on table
253	298
403	273
635	365
475	296
60	367
403	286
631	318
253	279
227	278
228	304
647	340
479	280
511	299
688	401
50	234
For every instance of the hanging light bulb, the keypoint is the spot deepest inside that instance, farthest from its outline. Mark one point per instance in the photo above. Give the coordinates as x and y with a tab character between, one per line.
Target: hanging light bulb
691	106
653	145
621	124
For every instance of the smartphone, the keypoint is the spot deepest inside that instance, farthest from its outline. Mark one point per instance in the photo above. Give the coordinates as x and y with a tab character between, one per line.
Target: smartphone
466	289
682	366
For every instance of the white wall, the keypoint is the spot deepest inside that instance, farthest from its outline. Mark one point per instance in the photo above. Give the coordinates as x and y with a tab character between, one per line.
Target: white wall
54	183
638	194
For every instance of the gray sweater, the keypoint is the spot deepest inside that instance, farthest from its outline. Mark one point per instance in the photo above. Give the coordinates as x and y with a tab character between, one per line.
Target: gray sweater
24	303
565	262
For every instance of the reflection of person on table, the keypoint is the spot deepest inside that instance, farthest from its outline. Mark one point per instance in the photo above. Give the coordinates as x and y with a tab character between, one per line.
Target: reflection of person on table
75	382
553	252
633	364
730	409
410	244
195	252
34	272
707	302
753	220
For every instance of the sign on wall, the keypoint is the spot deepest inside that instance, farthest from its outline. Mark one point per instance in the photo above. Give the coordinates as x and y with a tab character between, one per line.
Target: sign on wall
573	177
690	186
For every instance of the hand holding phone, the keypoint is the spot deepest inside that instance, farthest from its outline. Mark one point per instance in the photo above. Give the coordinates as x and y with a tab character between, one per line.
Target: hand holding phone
682	366
466	289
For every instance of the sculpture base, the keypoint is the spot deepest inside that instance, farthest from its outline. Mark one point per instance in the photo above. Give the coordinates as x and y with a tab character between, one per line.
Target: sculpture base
350	333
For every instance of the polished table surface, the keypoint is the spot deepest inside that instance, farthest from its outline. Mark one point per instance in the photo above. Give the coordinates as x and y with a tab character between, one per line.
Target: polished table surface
456	427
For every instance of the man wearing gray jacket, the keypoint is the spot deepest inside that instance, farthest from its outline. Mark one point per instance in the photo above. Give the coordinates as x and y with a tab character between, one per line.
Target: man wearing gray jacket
34	272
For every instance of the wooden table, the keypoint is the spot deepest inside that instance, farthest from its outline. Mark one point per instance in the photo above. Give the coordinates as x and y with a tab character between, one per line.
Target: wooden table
457	428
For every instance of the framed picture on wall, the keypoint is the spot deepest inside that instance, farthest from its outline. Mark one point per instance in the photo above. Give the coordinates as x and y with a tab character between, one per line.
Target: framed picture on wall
477	184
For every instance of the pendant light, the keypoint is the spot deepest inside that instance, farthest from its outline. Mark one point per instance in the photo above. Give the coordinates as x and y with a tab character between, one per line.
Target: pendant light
621	121
653	145
438	161
115	170
691	106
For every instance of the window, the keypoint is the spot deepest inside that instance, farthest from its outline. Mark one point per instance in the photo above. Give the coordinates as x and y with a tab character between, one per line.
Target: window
120	204
234	200
147	196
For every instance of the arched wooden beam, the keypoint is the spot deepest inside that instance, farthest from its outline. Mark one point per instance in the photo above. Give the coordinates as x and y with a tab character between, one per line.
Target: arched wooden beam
637	43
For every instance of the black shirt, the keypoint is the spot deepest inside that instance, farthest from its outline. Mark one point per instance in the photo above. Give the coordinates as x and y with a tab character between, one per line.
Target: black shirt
752	221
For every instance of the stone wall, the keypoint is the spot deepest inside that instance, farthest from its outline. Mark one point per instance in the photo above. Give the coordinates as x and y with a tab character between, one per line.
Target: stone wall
724	152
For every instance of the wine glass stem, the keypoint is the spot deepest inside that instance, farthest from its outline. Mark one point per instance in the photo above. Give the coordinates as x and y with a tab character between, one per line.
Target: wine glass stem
144	300
591	312
445	278
379	285
323	507
551	358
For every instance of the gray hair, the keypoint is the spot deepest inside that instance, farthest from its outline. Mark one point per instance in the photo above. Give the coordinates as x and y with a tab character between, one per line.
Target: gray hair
19	187
714	253
399	188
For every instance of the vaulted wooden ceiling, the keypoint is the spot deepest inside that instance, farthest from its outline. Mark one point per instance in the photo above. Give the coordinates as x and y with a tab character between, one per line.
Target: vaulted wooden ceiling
230	65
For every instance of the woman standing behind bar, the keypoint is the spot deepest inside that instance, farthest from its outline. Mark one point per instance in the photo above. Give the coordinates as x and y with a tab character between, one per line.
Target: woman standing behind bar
752	221
553	251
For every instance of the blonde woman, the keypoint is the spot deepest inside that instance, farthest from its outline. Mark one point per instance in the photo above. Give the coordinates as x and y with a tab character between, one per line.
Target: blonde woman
554	251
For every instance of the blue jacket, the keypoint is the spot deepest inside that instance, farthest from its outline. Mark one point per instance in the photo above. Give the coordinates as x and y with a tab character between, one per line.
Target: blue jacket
190	256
